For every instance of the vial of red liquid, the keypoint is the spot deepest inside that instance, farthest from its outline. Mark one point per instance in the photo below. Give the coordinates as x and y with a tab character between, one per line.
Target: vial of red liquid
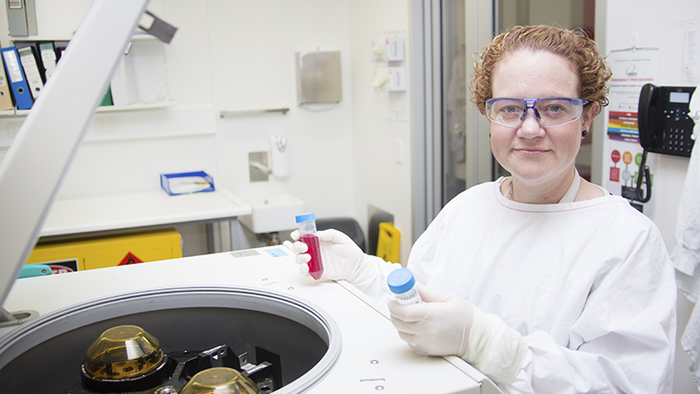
307	235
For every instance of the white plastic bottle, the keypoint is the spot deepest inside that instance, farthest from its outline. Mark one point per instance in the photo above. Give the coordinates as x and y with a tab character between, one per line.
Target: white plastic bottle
402	283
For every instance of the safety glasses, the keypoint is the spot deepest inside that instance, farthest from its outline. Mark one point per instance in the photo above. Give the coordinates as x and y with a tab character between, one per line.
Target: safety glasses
550	112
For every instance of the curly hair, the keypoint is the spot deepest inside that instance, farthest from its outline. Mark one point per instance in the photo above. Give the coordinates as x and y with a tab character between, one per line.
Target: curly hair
583	53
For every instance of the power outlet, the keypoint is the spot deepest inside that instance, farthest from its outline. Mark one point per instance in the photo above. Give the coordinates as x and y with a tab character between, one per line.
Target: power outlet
398	151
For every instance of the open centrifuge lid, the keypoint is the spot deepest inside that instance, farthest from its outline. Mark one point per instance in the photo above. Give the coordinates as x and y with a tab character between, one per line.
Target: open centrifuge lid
34	167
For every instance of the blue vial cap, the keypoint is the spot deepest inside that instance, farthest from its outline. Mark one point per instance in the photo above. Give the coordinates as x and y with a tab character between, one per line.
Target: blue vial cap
400	280
307	217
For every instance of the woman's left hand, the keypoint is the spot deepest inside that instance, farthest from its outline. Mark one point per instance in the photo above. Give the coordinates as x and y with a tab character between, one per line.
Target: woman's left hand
446	324
438	327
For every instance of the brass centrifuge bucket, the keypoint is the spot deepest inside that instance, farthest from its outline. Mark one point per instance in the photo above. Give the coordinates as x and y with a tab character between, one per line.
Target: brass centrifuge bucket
220	381
123	352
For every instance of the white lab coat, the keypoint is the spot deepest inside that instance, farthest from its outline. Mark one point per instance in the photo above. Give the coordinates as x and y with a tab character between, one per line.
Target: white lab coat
589	284
686	253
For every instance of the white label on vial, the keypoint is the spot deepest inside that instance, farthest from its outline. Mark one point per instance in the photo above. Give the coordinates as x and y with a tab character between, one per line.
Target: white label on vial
409	297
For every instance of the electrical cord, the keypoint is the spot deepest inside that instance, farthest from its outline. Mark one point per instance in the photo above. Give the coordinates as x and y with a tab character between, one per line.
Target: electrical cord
644	171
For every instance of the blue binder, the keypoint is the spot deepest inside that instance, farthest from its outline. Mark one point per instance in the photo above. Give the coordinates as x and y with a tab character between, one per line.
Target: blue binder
18	81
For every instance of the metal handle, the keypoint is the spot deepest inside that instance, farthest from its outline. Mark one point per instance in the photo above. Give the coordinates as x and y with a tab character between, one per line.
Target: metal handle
224	114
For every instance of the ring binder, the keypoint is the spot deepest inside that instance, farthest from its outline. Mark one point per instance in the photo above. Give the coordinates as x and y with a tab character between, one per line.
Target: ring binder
18	83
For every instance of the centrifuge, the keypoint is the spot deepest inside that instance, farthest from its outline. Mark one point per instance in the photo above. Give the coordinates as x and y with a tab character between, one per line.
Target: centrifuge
323	336
235	322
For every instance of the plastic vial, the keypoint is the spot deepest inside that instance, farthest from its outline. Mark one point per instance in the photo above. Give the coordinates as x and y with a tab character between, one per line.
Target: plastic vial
401	282
307	235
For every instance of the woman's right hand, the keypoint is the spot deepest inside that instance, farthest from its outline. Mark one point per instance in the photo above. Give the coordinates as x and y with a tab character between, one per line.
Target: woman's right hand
341	257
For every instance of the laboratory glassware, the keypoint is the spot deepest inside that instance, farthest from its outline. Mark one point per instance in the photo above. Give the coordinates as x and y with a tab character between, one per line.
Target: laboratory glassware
307	235
402	284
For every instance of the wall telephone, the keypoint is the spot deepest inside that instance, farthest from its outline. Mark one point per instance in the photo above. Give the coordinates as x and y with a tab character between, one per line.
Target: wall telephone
664	127
664	124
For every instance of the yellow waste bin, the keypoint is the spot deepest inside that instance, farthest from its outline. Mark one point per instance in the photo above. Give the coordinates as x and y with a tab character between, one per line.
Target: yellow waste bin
108	251
389	242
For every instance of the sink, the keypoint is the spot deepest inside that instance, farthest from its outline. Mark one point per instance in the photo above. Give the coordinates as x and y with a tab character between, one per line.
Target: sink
272	212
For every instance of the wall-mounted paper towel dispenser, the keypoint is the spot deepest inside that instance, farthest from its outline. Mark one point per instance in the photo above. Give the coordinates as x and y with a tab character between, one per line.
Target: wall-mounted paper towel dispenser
318	77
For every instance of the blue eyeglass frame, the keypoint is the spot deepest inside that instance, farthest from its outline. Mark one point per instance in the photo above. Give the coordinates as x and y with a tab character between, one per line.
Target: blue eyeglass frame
530	103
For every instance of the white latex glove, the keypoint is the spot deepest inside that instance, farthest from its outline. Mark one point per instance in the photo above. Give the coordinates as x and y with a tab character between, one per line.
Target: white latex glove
437	327
342	258
446	324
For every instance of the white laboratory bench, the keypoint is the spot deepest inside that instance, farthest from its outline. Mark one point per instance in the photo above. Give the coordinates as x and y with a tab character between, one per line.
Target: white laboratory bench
372	359
143	210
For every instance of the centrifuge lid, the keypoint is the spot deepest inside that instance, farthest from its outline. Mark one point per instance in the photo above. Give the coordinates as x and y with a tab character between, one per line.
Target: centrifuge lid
34	166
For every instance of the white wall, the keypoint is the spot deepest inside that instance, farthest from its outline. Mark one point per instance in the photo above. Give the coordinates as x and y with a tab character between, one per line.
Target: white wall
252	62
651	23
239	55
381	142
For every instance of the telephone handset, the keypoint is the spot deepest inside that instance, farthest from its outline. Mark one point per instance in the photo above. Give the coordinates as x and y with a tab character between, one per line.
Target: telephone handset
647	115
664	127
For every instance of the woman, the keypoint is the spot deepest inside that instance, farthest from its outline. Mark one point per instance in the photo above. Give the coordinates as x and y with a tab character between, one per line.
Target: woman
547	282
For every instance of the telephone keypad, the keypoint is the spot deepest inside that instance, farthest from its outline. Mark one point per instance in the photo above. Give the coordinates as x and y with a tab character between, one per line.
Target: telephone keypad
676	133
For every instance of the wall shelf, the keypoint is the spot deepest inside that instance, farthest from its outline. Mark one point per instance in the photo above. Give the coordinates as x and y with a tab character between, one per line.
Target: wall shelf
137	36
122	108
136	106
149	62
